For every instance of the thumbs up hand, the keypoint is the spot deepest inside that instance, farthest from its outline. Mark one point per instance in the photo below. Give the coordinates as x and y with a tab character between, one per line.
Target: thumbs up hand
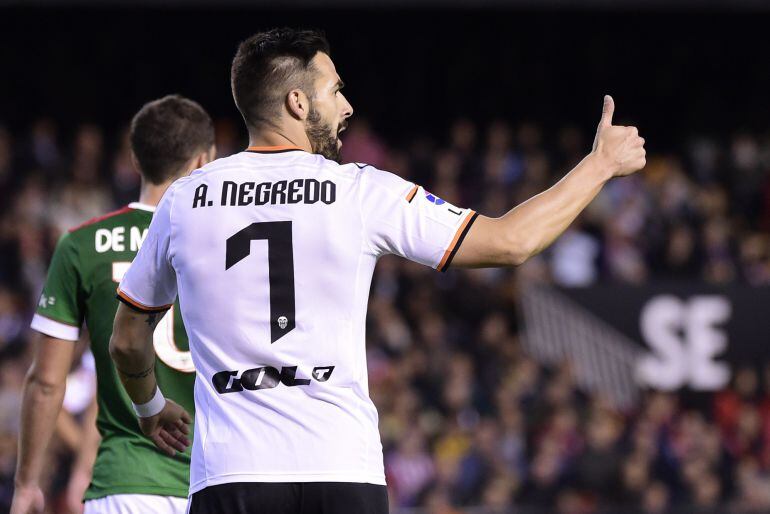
620	148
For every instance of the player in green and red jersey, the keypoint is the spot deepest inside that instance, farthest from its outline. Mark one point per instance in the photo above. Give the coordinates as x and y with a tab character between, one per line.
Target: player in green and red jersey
169	137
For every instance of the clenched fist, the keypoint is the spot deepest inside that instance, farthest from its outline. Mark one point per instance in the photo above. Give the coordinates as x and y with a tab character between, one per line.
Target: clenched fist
620	148
168	429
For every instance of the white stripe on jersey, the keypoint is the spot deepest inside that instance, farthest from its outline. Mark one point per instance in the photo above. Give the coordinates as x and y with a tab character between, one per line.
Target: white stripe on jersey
272	255
53	328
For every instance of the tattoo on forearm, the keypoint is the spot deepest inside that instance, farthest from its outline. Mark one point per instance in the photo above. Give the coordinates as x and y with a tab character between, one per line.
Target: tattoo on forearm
141	374
153	319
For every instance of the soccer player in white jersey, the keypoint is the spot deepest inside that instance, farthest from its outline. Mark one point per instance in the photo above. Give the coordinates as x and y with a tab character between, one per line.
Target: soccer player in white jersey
271	252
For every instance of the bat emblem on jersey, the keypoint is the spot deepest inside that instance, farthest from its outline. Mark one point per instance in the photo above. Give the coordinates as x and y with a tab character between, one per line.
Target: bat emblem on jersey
283	321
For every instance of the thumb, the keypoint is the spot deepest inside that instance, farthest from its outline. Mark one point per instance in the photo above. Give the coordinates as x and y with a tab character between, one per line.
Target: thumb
608	109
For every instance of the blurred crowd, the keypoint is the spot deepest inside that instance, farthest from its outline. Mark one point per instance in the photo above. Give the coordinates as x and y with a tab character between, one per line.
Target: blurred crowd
469	422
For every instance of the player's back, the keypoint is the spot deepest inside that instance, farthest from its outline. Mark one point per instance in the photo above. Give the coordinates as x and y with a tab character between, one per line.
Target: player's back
272	253
88	264
268	253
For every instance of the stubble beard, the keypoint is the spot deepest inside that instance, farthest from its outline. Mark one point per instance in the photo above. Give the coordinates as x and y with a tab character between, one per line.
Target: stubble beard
323	138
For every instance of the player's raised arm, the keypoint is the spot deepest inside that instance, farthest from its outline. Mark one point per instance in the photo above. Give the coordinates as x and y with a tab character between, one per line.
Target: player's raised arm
535	224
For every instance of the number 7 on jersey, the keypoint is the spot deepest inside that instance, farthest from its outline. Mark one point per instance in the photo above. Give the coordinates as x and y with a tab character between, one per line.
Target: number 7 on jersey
280	260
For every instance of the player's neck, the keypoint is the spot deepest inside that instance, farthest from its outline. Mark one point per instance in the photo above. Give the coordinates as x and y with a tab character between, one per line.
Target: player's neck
152	193
271	138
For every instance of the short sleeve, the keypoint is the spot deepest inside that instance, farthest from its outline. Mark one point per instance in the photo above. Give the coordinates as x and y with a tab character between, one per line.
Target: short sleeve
60	308
404	219
149	285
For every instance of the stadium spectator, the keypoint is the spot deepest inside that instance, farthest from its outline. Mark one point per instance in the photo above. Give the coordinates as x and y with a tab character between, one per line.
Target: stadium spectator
467	418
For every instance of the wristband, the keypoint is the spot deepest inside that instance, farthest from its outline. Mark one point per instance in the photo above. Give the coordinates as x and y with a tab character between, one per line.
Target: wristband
151	408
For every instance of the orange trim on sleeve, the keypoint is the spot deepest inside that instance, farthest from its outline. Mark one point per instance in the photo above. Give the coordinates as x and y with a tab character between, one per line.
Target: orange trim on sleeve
411	193
453	244
140	306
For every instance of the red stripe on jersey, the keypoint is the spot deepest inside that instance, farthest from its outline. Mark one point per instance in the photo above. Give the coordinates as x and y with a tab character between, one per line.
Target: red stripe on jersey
101	218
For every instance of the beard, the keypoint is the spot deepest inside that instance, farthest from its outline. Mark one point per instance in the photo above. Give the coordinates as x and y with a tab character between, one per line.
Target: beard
322	136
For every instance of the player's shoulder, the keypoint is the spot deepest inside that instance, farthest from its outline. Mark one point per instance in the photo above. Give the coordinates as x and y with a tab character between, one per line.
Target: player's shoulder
350	172
80	238
375	178
108	220
358	171
220	164
198	175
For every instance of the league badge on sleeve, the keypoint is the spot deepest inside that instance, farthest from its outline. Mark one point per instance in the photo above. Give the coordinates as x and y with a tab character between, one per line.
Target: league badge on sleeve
433	198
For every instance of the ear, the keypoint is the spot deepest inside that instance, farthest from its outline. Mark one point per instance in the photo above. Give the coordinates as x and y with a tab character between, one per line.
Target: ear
135	163
203	158
298	104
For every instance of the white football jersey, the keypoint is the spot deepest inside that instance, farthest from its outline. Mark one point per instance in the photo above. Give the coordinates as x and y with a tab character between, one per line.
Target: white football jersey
272	252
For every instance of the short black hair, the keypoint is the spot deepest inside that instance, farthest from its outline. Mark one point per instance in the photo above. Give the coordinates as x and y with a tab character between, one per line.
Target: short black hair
168	132
270	64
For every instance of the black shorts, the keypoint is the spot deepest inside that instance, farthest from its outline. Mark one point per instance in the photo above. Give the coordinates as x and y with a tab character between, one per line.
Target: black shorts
291	498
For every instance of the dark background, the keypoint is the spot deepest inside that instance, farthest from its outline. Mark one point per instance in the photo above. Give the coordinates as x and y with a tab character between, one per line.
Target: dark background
447	365
674	73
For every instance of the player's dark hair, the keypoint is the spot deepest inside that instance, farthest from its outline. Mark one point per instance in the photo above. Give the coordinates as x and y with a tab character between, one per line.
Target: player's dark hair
167	133
270	64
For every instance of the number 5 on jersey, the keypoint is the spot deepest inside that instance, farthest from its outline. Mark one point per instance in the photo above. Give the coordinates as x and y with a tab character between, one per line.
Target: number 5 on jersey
163	337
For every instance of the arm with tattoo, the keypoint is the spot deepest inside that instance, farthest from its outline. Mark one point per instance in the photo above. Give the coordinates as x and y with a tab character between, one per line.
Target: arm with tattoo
132	350
160	419
139	375
153	319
